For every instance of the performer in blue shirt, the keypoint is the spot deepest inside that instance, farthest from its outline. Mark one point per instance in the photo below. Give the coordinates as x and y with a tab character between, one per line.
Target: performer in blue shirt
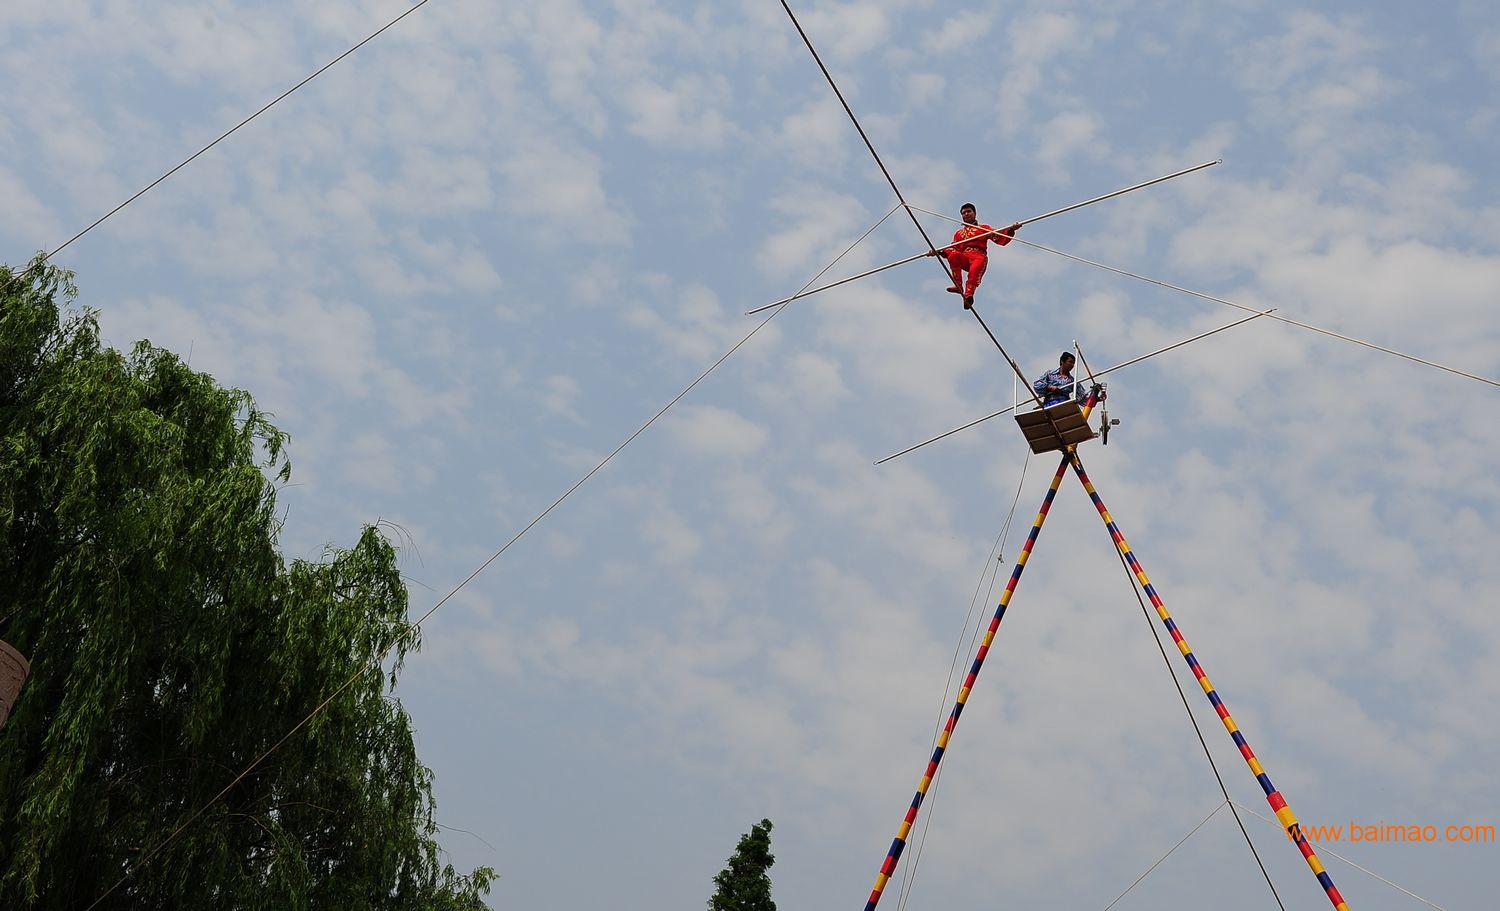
1055	385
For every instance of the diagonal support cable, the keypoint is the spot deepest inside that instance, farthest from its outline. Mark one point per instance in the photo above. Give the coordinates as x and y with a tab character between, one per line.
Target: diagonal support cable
993	562
229	132
1163	859
148	855
1332	853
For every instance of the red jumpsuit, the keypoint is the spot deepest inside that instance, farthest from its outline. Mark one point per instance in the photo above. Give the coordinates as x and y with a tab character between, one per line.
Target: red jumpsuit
972	256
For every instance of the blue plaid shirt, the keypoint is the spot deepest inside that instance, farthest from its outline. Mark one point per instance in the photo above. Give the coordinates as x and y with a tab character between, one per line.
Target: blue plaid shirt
1053	387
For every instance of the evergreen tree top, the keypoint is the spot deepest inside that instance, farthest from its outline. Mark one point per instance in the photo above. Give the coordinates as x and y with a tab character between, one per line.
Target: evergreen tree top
745	884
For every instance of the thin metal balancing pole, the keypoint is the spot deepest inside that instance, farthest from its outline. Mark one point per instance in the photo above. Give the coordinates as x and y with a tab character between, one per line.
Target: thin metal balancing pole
1284	815
916	256
1122	191
893	855
842	281
1135	360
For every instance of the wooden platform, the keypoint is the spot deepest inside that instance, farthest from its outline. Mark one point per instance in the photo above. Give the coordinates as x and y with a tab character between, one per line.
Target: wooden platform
1055	427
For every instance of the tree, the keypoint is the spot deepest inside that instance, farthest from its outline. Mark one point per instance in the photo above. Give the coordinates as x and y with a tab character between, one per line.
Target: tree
745	884
171	644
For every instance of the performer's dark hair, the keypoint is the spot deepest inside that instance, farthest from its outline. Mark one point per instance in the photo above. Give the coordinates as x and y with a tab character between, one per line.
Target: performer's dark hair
968	205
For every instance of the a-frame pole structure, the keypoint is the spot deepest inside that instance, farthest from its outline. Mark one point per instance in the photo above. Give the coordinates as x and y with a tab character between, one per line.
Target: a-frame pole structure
1277	802
1274	797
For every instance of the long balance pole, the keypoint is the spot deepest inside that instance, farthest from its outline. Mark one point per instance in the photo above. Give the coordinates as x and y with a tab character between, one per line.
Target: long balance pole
916	256
1284	814
899	843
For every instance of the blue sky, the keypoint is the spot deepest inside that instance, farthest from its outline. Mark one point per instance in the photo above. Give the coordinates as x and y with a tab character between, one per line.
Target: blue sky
465	263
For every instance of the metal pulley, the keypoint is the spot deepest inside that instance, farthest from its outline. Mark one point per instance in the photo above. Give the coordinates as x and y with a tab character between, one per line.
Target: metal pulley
1105	421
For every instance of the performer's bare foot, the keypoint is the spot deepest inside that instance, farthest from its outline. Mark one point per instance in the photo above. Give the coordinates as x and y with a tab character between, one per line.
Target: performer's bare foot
953	289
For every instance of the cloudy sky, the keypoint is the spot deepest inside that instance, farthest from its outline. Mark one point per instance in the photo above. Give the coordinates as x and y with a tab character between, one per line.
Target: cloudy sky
465	263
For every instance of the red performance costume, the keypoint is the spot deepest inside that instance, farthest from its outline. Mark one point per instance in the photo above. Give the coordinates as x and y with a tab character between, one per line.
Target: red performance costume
972	257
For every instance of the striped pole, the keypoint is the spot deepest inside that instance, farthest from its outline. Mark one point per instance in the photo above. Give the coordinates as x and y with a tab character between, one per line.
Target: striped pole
1274	797
888	868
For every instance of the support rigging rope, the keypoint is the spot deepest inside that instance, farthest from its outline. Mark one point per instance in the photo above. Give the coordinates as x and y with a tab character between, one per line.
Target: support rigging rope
149	854
1163	859
1332	853
1266	819
1229	303
1274	797
227	133
991	571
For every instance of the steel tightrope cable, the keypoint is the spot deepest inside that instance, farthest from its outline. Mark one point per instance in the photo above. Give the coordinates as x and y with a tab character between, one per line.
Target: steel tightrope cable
942	261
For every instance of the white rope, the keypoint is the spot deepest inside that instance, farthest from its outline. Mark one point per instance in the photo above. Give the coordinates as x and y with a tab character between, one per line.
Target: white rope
1163	858
1324	849
991	570
1229	303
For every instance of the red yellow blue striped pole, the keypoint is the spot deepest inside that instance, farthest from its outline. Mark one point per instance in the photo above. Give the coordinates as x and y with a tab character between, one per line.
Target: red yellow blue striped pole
893	856
1274	797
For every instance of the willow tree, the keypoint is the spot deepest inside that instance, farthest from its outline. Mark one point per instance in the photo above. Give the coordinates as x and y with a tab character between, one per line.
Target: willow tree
171	644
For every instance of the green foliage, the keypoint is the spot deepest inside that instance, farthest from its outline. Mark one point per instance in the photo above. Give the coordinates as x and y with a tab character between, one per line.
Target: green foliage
171	645
745	884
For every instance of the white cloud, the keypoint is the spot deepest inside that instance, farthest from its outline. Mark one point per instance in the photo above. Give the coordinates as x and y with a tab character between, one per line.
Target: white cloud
808	381
924	89
25	218
1065	136
564	187
822	225
847	30
712	431
1036	39
560	396
909	349
671	538
816	136
958	32
372	463
686	114
692	322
